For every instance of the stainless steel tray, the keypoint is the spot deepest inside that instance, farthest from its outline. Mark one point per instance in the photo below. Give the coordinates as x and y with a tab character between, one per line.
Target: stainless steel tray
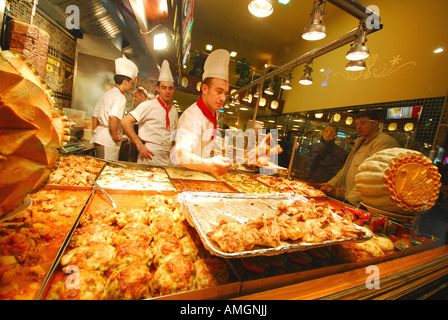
202	209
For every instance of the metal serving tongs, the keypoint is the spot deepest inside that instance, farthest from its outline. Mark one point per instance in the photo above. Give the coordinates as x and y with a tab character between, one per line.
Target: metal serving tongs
104	192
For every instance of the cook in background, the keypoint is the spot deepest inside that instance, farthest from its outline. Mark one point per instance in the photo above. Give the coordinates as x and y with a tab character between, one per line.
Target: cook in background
140	95
370	142
197	127
110	109
156	120
328	157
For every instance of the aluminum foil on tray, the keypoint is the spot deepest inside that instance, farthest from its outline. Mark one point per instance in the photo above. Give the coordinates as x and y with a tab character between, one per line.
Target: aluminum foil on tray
203	210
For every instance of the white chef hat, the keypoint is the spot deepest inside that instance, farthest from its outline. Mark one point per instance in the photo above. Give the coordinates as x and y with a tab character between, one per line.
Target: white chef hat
165	72
217	65
125	67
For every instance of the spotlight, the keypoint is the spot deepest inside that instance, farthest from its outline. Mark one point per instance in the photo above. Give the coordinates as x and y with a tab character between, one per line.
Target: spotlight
261	8
358	50
355	65
270	89
286	84
316	30
306	79
247	97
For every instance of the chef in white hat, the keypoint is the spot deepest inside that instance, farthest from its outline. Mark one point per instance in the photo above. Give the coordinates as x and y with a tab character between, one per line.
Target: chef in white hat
197	127
156	120
110	109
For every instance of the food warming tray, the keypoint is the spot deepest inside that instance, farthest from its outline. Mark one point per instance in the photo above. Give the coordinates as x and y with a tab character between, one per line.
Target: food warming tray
203	209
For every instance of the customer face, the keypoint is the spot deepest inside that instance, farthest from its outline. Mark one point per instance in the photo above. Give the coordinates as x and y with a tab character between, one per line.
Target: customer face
329	133
214	94
366	127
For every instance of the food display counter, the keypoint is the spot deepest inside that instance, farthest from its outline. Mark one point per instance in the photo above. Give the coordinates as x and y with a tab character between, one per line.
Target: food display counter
74	243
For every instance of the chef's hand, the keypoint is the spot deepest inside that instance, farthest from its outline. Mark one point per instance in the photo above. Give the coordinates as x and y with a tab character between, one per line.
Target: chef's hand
218	165
117	137
325	187
145	152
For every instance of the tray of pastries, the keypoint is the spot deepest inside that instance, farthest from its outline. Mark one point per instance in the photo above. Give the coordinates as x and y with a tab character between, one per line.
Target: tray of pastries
143	249
135	178
74	170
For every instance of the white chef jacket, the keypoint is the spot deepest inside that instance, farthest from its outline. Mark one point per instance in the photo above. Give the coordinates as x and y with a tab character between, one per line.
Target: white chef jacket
151	119
113	103
194	133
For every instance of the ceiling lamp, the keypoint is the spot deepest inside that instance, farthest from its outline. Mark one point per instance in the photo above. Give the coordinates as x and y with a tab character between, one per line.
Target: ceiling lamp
316	30
270	90
358	50
261	8
319	115
247	97
262	102
306	79
160	41
286	84
274	104
355	65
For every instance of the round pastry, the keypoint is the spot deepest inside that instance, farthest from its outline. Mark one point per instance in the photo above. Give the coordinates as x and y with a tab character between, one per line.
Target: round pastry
31	131
398	180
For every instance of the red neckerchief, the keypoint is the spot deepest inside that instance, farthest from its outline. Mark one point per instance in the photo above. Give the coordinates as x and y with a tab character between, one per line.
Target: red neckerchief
167	109
209	115
120	90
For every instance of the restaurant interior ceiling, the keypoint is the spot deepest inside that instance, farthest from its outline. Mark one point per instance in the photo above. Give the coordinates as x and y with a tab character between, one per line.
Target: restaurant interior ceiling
224	24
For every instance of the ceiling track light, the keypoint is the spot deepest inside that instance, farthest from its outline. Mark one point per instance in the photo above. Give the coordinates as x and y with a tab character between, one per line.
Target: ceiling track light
247	97
261	8
358	50
355	65
286	83
316	30
306	79
270	90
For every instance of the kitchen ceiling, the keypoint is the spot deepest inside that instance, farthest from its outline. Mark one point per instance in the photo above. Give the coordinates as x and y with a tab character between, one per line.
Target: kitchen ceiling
224	24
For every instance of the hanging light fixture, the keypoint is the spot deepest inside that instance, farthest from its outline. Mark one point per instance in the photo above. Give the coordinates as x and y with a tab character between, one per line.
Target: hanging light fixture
316	30
358	50
261	8
270	90
286	83
247	97
355	65
306	79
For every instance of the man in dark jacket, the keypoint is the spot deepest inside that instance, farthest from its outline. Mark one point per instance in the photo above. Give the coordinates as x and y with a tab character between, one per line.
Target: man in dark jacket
329	158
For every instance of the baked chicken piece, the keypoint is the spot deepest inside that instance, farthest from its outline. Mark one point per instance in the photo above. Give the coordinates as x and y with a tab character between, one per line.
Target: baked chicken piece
85	285
132	215
175	275
130	282
132	251
96	257
210	272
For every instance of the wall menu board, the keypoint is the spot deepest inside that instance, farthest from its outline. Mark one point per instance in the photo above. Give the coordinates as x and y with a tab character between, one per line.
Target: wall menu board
404	112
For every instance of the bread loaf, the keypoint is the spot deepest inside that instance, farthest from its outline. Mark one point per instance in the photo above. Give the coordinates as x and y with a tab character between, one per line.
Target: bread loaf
398	180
